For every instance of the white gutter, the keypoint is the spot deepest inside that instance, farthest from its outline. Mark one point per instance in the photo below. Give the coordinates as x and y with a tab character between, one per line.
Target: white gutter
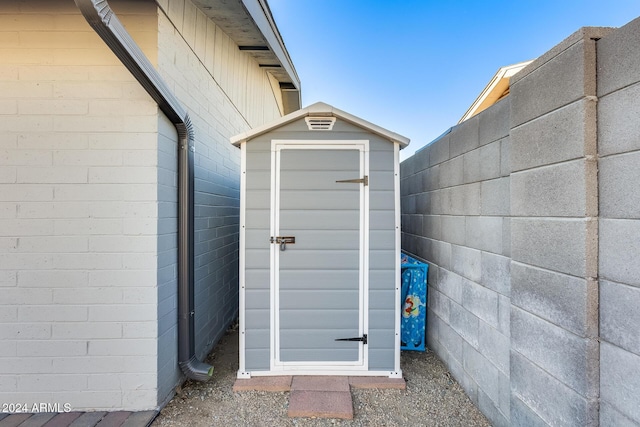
106	24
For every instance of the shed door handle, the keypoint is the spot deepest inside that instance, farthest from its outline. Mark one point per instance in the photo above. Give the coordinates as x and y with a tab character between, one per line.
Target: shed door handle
282	241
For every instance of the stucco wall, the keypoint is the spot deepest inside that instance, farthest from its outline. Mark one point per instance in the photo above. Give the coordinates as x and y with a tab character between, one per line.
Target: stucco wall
533	291
88	200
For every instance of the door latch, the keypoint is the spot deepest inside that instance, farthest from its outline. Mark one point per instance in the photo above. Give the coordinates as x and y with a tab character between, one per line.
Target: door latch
283	240
363	338
364	181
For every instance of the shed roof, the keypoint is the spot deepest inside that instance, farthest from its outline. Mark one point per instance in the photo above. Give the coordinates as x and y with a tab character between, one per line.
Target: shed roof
320	109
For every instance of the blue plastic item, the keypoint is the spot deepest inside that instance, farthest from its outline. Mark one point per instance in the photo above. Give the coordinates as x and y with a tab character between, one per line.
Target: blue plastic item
414	303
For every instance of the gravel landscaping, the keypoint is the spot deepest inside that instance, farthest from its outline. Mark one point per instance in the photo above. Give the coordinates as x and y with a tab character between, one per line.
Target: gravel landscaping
432	398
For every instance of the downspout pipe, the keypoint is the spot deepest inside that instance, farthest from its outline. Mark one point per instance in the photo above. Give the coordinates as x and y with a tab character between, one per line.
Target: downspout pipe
106	24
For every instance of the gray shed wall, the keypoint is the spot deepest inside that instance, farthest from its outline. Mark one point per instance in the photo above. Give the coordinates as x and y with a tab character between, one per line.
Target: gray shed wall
381	243
529	217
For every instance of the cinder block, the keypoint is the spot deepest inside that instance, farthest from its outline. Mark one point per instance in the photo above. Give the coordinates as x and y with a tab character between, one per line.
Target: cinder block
563	75
451	341
480	301
504	315
505	156
490	409
465	199
495	197
464	137
439	304
442	254
421	159
453	229
423	203
495	273
610	416
494	122
506	236
619	380
553	138
505	394
558	298
485	233
466	262
618	59
450	284
557	190
463	378
483	372
523	415
619	246
555	244
617	127
490	161
471	166
431	178
451	172
619	315
432	226
617	178
573	361
495	347
464	323
546	397
439	150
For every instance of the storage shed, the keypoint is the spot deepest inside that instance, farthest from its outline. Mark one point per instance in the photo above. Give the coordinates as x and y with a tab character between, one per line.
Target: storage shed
320	246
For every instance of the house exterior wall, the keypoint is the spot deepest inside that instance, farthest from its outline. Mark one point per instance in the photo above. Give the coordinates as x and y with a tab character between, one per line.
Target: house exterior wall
88	240
382	242
533	288
79	212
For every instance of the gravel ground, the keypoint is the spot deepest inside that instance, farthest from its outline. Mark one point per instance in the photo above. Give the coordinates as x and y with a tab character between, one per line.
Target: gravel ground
432	398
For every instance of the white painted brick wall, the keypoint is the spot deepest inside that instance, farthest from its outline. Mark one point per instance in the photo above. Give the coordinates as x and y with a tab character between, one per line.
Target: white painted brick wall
78	212
88	203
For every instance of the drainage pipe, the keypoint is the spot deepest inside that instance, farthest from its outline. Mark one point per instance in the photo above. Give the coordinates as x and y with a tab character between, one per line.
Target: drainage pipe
106	24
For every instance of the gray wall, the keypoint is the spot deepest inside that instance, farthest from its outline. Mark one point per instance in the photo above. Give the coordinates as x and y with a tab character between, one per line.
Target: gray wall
528	214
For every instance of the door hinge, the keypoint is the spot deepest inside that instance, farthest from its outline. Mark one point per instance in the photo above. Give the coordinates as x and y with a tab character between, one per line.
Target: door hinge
364	180
363	338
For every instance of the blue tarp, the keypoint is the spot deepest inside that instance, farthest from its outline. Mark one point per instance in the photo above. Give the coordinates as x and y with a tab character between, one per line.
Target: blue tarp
414	303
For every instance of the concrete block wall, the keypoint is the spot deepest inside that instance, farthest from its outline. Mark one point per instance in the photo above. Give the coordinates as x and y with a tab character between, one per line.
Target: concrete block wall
455	207
533	241
619	230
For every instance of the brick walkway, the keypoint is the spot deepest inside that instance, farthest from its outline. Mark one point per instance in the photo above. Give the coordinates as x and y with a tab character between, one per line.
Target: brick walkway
318	396
79	419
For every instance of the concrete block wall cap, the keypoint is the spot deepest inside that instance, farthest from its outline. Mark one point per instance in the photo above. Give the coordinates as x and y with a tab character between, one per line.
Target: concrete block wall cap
583	33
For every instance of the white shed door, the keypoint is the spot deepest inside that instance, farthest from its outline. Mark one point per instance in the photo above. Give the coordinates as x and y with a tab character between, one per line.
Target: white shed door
319	313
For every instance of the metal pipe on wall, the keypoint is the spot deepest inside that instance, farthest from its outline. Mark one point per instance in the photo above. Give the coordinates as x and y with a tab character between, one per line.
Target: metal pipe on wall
106	24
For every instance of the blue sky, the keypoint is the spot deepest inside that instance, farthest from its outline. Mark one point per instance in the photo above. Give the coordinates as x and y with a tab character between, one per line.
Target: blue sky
415	66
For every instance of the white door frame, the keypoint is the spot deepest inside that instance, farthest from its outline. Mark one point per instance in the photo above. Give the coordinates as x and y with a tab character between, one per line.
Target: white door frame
319	367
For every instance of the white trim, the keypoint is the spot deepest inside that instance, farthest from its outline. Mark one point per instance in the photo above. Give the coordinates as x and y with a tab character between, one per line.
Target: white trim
398	282
323	367
242	373
274	303
320	108
389	374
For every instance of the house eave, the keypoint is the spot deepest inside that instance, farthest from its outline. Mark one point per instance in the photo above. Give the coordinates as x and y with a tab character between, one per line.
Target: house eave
250	24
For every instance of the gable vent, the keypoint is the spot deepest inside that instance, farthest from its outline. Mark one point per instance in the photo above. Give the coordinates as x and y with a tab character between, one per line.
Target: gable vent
320	123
